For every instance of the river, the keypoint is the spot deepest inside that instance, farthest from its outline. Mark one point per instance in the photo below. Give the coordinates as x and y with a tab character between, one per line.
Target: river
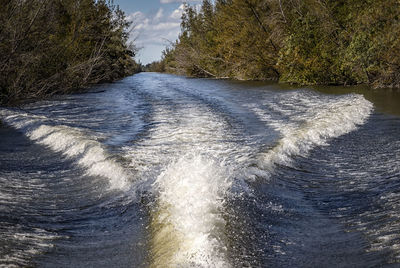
159	170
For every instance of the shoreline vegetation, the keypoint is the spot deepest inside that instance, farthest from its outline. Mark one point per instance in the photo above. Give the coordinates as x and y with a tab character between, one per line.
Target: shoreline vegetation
52	47
312	42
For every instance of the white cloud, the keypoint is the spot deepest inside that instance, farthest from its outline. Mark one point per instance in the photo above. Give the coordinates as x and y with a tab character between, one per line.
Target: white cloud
166	26
177	1
177	13
159	14
136	16
153	31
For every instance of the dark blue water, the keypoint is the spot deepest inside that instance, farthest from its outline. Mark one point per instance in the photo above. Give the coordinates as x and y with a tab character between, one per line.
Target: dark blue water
164	171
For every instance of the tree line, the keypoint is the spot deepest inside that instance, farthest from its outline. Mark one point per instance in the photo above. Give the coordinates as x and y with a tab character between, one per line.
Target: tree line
58	46
307	42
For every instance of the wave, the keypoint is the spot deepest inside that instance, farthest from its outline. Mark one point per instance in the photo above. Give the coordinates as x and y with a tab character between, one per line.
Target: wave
184	158
187	225
73	143
306	120
199	159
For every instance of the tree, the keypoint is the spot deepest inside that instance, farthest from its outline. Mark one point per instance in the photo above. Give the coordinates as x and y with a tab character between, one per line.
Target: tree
57	46
297	41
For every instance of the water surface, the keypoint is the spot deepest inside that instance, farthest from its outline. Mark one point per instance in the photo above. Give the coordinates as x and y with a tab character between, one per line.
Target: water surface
164	171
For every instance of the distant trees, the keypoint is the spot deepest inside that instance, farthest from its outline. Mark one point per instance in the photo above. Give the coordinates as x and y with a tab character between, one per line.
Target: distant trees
298	41
56	46
155	66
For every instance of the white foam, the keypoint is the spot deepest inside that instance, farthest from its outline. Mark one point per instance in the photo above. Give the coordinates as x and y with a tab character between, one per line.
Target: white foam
72	143
310	121
190	150
191	194
90	153
191	164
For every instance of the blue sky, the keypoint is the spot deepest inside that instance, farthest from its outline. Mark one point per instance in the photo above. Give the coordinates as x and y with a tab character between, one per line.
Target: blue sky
156	21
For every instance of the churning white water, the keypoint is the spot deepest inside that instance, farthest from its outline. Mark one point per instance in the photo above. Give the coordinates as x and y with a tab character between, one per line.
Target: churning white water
306	120
72	143
196	148
193	150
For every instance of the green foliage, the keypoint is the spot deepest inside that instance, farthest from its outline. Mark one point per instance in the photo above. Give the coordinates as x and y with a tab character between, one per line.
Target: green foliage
309	54
57	46
297	41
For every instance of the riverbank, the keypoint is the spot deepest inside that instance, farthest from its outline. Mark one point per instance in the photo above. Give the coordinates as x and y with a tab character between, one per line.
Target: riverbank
155	67
79	90
58	47
299	42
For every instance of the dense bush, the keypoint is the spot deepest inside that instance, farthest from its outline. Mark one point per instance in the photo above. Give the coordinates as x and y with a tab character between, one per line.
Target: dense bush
57	46
298	41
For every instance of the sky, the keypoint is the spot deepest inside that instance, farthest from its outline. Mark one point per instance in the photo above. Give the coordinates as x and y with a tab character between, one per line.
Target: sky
156	23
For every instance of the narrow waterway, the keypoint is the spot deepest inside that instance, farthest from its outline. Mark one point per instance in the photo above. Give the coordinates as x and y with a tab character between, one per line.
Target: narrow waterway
165	171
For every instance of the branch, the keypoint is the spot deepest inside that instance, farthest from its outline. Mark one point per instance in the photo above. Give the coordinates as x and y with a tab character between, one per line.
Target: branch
283	14
260	22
